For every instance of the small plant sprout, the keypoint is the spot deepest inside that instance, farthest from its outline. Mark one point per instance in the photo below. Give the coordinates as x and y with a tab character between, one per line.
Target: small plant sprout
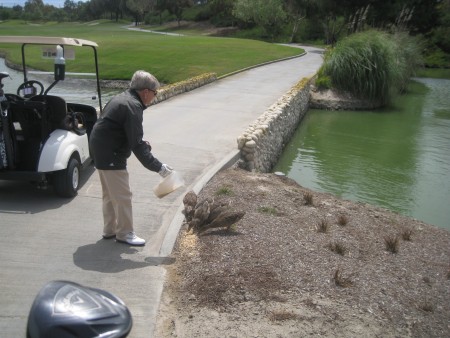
407	234
338	248
323	226
342	281
224	191
268	210
308	197
392	243
279	316
426	306
342	220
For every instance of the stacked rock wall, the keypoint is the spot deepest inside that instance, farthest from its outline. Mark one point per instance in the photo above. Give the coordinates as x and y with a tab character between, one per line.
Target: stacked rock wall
262	142
167	91
181	87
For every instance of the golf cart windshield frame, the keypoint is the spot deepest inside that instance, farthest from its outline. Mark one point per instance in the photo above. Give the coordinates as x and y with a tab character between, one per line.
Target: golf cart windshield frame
44	40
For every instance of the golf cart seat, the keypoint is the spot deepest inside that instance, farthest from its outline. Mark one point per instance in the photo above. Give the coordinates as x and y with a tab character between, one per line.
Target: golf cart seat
56	110
29	130
30	116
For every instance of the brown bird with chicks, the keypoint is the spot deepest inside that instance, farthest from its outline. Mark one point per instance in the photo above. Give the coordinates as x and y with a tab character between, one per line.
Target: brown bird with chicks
208	214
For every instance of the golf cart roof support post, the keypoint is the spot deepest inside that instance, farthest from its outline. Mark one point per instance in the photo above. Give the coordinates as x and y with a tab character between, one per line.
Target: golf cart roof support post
98	80
25	79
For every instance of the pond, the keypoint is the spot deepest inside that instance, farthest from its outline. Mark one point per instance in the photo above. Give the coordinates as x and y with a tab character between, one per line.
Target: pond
397	158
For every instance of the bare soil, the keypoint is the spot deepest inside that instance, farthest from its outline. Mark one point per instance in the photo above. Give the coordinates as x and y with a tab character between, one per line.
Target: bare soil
302	263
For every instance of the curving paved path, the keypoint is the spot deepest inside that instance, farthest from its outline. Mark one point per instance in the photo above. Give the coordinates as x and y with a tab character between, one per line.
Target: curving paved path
47	238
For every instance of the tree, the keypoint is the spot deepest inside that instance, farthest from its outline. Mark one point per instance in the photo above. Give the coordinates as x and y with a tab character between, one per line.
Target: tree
222	11
97	8
268	14
116	7
83	11
335	16
297	10
138	8
70	9
175	7
33	10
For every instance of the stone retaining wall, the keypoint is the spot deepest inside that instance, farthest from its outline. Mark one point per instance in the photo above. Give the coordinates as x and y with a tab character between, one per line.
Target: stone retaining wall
167	91
262	142
181	87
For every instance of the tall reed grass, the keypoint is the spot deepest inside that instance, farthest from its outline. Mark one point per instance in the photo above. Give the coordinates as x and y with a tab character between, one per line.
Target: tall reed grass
372	65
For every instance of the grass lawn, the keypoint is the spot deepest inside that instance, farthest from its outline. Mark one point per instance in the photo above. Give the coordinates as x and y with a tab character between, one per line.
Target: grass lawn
169	58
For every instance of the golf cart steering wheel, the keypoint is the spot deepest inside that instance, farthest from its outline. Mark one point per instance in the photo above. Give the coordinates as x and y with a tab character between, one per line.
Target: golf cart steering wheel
30	89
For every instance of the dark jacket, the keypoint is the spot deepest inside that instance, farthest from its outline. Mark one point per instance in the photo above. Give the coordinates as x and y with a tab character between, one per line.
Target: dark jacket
118	132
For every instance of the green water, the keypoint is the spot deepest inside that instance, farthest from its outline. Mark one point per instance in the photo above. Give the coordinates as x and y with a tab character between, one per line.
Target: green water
397	158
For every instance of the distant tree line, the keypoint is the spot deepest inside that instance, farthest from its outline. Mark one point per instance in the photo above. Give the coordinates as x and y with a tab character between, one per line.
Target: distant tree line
273	20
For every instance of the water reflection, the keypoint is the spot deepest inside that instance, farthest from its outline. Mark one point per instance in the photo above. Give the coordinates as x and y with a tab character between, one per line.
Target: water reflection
397	158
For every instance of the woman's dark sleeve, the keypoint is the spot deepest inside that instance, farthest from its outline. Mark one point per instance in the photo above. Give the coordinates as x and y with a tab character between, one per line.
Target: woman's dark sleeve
140	148
143	153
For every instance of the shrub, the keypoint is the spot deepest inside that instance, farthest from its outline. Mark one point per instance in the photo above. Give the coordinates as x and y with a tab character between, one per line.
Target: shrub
372	65
323	82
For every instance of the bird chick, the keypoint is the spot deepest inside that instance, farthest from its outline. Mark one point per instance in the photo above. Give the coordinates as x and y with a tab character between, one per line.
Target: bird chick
193	224
190	199
201	214
188	213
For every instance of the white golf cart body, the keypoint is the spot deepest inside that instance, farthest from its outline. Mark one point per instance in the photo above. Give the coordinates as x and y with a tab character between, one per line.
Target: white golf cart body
48	138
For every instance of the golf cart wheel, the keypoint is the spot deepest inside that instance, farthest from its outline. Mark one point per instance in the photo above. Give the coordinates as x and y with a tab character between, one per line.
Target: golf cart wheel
66	181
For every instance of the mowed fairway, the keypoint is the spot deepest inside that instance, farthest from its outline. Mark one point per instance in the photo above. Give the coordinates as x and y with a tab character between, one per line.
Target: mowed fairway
170	58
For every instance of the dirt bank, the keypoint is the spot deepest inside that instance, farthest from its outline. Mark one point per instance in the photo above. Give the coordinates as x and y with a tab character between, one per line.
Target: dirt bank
303	263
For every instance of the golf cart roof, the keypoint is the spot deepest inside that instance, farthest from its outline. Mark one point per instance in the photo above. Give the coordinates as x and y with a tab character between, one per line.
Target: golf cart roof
45	40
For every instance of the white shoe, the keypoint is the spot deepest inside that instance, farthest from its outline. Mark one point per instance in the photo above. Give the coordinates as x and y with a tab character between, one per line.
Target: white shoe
131	239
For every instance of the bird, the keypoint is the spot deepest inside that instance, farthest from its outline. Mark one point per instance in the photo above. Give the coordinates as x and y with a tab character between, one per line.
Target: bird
190	198
225	219
201	213
216	209
189	201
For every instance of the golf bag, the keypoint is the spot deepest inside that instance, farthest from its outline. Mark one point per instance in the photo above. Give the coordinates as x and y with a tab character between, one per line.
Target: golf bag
7	158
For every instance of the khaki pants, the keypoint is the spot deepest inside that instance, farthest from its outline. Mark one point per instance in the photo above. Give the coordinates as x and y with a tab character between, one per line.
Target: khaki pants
117	208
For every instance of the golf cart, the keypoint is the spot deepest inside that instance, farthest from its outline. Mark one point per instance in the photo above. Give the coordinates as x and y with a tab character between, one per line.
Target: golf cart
44	138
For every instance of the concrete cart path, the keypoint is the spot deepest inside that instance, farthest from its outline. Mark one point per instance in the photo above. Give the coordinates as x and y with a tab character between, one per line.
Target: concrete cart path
48	238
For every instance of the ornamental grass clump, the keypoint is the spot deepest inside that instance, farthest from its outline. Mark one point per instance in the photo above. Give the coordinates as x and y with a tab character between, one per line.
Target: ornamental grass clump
309	198
372	65
338	248
392	243
323	226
